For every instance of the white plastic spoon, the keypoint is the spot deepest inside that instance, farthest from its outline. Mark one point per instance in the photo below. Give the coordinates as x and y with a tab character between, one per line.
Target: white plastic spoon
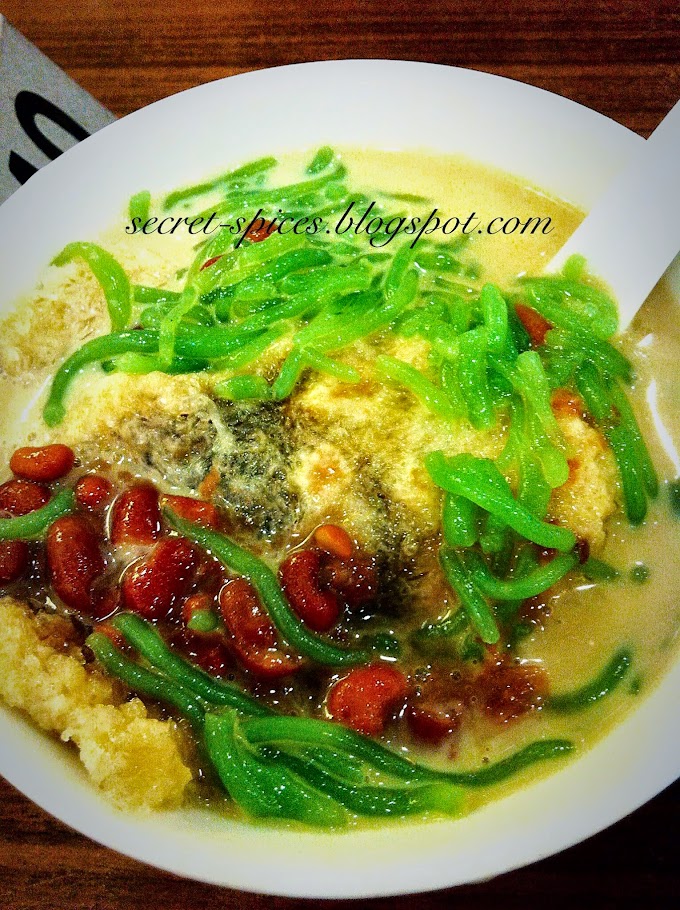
632	234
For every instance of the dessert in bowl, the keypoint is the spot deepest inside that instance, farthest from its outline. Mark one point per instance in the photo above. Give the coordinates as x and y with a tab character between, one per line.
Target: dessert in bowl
339	513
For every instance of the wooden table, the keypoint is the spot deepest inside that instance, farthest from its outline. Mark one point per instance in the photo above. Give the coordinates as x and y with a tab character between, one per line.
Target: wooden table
620	58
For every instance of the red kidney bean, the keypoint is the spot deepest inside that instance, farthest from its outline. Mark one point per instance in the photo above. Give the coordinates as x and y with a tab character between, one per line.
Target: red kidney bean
13	560
257	233
367	696
537	326
209	262
74	561
153	586
209	652
19	497
93	492
299	575
115	637
506	691
354	579
194	510
45	463
431	722
252	633
334	540
136	516
106	603
194	603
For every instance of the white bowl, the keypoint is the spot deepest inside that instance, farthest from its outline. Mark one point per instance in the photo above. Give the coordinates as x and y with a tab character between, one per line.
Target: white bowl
555	144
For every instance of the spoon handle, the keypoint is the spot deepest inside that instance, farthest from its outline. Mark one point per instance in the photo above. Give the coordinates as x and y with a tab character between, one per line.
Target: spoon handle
632	234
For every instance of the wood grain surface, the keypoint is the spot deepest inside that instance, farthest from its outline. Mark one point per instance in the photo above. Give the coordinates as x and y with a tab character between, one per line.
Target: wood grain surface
619	57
